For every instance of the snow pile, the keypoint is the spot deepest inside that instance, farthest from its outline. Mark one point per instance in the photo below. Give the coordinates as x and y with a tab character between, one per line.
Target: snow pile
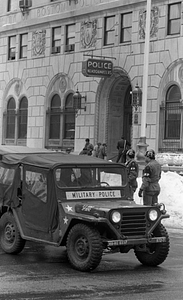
171	195
174	159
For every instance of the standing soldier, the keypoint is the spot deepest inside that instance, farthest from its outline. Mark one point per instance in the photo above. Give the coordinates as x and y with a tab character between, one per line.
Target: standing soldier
150	187
122	146
132	169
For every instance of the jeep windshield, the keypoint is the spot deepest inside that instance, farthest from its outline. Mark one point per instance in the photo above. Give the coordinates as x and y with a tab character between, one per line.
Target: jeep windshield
90	177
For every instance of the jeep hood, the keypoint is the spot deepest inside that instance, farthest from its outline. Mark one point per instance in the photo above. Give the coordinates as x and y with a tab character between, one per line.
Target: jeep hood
98	205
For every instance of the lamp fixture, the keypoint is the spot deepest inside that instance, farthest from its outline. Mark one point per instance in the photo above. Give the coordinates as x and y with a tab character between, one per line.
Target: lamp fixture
136	97
24	6
77	101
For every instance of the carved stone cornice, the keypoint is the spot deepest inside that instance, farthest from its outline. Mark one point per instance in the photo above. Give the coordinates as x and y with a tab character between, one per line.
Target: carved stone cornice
153	25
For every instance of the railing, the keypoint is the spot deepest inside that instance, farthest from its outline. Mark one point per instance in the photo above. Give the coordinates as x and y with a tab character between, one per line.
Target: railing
171	128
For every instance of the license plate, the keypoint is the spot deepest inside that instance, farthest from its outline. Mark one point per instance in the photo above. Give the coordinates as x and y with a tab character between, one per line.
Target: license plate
161	239
117	242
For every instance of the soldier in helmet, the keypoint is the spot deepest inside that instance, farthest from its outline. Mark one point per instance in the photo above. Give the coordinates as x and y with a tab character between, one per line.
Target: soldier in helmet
150	187
133	170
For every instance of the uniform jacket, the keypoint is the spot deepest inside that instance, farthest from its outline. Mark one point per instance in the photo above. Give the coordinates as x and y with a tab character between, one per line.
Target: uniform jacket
87	150
133	170
121	144
151	176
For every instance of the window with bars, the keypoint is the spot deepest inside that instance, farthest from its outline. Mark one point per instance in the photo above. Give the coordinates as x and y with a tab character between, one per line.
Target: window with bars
70	38
16	122
170	121
174	18
22	118
172	113
12	47
60	123
69	132
11	116
109	30
55	115
126	27
56	39
23	45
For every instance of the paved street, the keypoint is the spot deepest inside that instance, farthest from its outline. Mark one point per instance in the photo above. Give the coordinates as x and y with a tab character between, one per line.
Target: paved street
43	272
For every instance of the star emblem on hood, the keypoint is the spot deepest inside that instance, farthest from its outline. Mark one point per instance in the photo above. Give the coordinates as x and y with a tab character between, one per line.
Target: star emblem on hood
69	208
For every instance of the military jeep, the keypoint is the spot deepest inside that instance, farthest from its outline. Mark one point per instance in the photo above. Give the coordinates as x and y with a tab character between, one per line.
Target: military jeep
80	202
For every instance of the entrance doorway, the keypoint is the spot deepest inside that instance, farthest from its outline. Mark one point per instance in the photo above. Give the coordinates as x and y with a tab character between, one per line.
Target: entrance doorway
115	112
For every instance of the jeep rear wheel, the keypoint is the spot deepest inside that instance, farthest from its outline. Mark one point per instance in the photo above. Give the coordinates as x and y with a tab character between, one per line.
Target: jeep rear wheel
10	239
84	247
156	253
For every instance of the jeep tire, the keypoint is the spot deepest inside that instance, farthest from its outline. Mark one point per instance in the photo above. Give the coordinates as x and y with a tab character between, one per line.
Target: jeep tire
157	252
84	247
10	239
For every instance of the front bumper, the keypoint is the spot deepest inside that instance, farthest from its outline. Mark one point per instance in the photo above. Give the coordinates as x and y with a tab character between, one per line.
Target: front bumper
136	241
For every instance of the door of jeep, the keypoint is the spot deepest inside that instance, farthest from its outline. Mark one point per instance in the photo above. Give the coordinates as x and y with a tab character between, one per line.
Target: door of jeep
35	200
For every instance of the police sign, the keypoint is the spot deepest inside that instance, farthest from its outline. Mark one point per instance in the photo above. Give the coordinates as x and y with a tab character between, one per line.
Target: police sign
97	68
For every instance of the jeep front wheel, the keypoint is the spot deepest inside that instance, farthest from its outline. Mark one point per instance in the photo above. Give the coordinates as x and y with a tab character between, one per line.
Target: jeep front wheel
155	253
84	247
10	239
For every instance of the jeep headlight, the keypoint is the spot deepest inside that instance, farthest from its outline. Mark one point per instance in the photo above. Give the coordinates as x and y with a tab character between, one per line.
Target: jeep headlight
153	215
116	216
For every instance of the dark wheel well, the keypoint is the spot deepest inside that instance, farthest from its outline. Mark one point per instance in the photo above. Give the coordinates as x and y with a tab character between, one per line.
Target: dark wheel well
102	228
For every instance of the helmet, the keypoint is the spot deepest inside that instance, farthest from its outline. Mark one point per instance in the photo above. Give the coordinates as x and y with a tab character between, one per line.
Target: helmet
150	154
130	153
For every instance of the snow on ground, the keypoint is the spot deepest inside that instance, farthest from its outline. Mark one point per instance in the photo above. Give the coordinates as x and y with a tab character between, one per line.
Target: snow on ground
171	195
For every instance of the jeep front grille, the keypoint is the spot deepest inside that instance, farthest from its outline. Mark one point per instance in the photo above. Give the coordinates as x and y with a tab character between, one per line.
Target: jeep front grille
133	223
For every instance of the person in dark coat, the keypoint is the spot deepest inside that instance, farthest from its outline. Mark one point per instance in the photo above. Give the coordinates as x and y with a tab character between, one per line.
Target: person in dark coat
122	146
150	187
132	170
88	148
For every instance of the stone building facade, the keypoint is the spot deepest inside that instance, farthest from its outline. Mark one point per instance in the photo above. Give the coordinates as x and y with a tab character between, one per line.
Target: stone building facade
43	45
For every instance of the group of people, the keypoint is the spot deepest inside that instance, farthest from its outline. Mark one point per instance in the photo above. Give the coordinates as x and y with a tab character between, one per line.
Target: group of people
99	150
150	187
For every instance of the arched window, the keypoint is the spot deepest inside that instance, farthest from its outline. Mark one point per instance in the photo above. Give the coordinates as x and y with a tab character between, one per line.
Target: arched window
11	114
22	118
60	123
54	132
172	113
69	128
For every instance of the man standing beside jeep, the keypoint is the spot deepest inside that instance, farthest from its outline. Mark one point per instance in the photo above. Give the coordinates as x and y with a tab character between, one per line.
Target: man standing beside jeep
150	187
133	170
